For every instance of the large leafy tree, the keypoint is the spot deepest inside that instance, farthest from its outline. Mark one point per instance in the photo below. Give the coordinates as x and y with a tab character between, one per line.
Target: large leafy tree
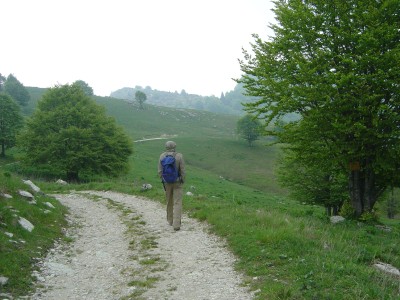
249	128
335	63
16	90
70	134
10	122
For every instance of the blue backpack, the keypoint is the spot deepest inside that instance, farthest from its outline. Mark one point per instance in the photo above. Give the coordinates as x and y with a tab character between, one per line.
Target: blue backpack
169	171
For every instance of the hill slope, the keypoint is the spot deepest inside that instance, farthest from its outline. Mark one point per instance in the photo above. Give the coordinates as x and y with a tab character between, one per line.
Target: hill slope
207	139
287	250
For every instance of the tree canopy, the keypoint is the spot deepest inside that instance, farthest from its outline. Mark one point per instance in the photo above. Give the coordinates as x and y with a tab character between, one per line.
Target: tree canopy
249	128
16	90
333	63
2	80
70	135
85	87
10	122
140	98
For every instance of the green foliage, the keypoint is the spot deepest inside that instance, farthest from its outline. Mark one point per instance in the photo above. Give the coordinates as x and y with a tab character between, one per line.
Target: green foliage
70	136
392	203
310	176
85	87
140	98
347	210
16	90
236	98
2	80
332	64
10	122
249	128
35	95
369	217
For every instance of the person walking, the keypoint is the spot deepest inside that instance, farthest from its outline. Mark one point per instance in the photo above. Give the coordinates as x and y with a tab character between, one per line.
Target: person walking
173	190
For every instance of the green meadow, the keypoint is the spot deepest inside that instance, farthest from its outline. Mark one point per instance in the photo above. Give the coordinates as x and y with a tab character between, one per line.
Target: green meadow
285	249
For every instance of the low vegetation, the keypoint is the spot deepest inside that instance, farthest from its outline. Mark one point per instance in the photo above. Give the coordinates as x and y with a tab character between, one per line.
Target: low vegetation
19	248
286	249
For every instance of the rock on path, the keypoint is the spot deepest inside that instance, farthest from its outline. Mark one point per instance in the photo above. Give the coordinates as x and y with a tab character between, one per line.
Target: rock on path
123	248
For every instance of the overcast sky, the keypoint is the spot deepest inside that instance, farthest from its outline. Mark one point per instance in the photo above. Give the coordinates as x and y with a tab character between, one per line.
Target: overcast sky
168	45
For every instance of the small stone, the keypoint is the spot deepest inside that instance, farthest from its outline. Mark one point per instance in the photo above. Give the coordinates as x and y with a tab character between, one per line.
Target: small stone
146	186
34	187
337	219
62	182
26	224
48	204
25	194
3	280
387	268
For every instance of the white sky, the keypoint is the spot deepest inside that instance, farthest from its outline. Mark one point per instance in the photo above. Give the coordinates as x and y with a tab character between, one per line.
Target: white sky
168	45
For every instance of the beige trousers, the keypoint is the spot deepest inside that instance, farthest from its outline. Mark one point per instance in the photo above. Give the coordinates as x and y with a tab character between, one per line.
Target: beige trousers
174	194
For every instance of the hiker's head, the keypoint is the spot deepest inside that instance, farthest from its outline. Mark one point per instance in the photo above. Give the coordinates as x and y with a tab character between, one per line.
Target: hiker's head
170	146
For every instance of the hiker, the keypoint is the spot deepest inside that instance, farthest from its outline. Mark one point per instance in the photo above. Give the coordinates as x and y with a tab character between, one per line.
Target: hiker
173	183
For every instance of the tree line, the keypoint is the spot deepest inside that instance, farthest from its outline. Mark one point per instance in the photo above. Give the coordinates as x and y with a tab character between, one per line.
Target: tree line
227	103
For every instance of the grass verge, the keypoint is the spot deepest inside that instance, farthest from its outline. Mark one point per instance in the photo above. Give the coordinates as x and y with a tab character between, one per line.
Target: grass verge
20	248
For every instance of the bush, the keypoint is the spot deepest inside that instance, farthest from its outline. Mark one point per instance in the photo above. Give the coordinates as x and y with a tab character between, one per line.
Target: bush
347	211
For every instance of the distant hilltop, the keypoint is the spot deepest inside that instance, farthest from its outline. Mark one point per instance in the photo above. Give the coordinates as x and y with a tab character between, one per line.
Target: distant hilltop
229	103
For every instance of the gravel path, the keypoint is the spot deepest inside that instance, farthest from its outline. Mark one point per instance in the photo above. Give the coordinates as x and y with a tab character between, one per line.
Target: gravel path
123	248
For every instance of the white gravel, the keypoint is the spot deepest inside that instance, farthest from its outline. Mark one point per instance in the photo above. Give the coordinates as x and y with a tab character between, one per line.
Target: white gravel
123	248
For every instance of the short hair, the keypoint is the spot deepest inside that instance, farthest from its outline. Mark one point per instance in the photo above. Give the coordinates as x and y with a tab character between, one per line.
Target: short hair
170	145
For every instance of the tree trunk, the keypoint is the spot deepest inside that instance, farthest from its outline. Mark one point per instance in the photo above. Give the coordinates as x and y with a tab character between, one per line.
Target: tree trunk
356	191
391	206
370	190
3	150
328	210
72	176
363	192
336	210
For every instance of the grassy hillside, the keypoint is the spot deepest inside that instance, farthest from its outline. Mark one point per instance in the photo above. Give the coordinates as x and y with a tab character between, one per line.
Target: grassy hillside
208	141
286	249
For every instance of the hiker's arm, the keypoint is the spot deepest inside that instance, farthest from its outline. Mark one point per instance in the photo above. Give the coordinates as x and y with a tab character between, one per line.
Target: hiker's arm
160	167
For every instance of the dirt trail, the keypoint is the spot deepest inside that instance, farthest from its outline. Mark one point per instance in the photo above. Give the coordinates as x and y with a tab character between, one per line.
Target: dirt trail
123	248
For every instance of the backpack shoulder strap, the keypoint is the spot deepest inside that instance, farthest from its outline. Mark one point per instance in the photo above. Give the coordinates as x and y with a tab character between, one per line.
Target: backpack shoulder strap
173	154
